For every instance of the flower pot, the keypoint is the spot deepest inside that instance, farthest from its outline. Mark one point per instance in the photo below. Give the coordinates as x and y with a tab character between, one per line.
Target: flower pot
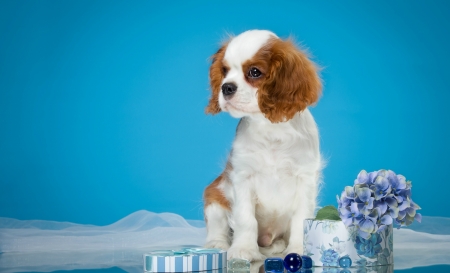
325	241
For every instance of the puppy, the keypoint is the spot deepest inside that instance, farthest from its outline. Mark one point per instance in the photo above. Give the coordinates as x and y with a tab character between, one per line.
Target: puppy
256	207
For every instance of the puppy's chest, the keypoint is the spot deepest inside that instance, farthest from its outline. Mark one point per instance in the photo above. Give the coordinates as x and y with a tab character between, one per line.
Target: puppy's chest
269	167
271	157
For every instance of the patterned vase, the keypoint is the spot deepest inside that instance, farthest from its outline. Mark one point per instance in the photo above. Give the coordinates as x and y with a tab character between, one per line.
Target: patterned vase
325	241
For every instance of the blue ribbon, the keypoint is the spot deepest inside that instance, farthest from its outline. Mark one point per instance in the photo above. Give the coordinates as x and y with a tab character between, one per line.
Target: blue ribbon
185	252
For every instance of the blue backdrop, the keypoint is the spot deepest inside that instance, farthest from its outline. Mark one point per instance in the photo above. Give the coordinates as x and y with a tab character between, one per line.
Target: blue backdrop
102	102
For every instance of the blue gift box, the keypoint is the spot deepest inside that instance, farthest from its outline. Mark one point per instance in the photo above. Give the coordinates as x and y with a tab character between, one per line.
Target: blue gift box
185	260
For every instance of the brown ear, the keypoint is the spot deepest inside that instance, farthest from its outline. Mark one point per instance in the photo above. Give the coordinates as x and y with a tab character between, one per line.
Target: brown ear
216	75
291	84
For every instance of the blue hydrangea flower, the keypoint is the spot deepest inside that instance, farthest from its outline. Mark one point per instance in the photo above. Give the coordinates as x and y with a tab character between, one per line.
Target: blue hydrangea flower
364	199
363	178
376	200
347	196
398	182
368	247
366	178
381	187
367	225
385	221
349	193
408	215
329	258
350	215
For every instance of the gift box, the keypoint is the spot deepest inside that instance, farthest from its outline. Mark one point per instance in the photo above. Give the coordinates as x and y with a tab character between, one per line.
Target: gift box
325	241
185	260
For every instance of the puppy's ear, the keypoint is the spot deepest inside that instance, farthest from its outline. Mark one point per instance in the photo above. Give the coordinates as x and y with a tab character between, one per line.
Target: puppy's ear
291	84
216	75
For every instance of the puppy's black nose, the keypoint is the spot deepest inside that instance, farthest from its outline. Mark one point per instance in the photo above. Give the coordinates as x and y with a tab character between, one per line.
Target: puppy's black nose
229	88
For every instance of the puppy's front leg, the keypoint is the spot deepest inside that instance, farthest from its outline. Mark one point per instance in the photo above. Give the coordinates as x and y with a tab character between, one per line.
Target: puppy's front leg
245	227
296	229
296	235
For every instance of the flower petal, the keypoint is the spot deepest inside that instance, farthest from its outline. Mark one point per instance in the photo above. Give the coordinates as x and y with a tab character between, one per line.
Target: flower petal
411	211
391	201
373	215
386	220
418	217
401	215
405	193
382	183
362	178
348	222
349	192
360	207
367	226
364	235
393	212
382	173
392	177
381	228
363	193
401	182
404	205
381	205
345	212
354	208
409	220
372	177
414	205
398	198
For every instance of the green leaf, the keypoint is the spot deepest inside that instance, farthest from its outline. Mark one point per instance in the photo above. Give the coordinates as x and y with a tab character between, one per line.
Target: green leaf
328	213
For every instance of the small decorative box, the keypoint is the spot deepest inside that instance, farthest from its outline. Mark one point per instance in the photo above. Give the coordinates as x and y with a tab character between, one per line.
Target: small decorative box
185	260
325	241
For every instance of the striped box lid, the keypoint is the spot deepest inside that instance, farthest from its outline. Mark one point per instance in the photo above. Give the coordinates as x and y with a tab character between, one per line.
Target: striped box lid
185	260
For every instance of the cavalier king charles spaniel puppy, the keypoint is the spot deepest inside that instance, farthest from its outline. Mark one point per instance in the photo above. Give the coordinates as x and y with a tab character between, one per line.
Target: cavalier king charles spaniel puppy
256	207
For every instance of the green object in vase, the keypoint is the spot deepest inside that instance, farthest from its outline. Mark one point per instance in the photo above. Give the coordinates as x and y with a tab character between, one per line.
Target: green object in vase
328	213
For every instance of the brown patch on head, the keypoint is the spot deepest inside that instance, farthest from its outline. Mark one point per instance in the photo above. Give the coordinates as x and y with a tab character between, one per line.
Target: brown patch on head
217	72
289	80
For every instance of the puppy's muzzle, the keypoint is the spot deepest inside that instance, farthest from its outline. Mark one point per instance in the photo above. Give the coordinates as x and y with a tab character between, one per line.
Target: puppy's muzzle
228	90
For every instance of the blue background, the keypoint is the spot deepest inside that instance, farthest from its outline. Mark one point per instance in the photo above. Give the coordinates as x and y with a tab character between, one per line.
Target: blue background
102	102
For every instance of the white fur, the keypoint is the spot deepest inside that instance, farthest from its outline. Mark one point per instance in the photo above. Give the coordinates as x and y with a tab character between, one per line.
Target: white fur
272	186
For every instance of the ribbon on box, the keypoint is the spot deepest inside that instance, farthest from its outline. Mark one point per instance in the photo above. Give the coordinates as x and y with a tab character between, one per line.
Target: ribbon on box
185	260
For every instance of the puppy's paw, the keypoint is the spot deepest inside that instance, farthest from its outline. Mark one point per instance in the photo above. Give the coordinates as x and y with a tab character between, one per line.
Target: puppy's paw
217	244
251	254
277	247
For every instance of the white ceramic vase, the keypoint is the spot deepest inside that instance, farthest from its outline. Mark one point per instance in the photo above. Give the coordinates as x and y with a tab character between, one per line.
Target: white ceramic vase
325	241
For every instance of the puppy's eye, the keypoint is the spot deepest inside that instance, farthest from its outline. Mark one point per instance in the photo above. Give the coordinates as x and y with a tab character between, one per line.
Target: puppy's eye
224	70
254	73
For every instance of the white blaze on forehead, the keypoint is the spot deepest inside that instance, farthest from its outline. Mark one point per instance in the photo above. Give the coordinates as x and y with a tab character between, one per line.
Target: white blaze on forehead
244	46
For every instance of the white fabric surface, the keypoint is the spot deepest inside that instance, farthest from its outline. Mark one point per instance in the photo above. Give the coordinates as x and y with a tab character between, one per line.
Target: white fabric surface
46	245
